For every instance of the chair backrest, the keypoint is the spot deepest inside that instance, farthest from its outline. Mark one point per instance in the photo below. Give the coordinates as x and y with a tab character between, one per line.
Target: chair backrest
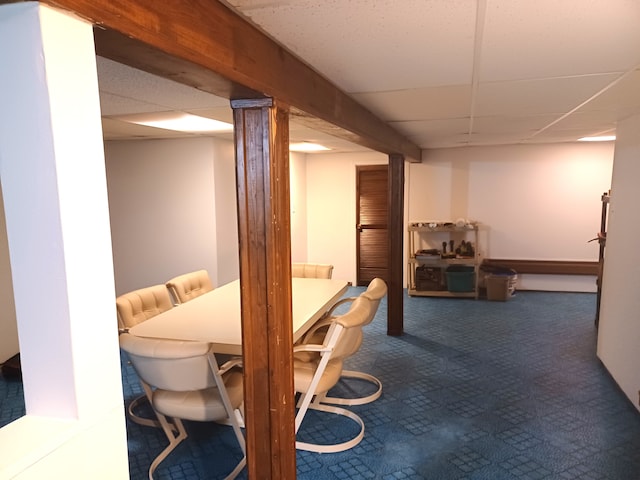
173	365
342	339
352	322
189	285
311	270
375	291
139	305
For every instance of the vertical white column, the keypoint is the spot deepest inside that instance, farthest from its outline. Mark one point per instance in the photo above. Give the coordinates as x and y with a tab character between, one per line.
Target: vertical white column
619	329
54	188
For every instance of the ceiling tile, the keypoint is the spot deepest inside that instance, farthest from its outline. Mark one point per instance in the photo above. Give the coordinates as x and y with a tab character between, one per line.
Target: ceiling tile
374	45
525	126
542	96
427	133
623	97
126	82
111	104
527	39
117	130
222	114
452	101
411	63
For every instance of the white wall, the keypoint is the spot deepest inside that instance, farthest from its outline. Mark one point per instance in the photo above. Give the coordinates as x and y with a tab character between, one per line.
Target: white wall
331	214
164	201
173	208
538	202
298	205
619	328
226	218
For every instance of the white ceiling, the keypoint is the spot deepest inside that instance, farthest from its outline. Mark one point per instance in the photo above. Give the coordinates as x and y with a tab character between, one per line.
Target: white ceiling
444	73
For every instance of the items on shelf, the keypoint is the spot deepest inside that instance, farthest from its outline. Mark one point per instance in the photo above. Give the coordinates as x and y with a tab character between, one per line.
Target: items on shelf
461	224
464	250
429	278
443	258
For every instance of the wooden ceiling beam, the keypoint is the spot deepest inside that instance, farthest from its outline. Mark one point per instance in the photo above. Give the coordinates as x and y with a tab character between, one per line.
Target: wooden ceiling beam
206	45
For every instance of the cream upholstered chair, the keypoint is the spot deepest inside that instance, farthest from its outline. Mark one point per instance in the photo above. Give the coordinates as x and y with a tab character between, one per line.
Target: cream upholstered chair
184	382
136	307
376	290
317	367
189	285
311	270
139	305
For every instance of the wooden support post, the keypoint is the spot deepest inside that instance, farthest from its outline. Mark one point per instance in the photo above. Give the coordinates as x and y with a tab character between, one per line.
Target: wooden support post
395	295
262	168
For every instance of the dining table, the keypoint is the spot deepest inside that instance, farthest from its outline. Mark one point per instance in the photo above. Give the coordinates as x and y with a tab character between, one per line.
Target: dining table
215	316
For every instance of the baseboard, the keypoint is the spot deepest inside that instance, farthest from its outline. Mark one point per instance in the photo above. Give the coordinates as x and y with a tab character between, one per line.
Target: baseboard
546	267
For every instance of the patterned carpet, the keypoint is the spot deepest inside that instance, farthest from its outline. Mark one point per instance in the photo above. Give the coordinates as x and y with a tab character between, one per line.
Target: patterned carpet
473	390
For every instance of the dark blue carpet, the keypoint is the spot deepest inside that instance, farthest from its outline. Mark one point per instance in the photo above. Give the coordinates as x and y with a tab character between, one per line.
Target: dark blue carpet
473	390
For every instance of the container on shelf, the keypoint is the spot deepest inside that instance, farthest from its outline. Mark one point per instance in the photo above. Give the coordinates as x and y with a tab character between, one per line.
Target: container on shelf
461	278
429	278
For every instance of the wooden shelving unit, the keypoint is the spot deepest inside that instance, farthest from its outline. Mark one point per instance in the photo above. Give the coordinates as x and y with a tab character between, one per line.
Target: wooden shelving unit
427	273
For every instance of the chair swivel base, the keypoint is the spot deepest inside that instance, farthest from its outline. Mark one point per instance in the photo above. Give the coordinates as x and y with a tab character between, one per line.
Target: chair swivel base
176	433
336	447
147	422
358	400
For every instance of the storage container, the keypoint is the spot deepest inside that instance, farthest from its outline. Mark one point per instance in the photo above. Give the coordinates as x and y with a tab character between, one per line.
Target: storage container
429	278
461	278
500	286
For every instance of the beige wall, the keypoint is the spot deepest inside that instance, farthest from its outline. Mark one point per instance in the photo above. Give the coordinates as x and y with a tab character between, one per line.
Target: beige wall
331	216
539	202
164	208
298	206
536	202
173	209
226	219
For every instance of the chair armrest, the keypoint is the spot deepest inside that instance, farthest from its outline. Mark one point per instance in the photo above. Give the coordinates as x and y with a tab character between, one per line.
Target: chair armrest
342	301
323	322
310	347
229	364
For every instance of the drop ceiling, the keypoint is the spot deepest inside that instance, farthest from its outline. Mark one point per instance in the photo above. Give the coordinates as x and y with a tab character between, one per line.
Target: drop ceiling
444	73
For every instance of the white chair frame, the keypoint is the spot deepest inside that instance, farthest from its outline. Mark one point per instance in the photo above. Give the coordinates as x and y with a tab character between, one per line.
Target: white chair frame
311	399
376	290
173	427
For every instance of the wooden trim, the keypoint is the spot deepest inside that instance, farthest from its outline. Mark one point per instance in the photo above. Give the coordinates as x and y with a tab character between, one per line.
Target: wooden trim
264	230
210	47
546	267
395	291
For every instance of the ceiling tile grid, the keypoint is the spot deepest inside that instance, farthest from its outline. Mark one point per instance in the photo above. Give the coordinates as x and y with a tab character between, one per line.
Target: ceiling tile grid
444	73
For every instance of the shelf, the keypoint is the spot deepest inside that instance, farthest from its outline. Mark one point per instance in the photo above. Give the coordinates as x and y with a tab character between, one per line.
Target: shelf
423	238
437	261
444	229
440	293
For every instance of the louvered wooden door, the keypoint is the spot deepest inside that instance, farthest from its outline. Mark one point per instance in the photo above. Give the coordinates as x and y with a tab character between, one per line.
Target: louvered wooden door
372	238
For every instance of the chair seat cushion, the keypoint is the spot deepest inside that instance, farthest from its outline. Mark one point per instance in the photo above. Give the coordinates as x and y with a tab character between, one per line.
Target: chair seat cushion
304	371
201	405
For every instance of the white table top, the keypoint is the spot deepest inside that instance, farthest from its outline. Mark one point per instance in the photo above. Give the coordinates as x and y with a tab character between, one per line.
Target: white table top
215	316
